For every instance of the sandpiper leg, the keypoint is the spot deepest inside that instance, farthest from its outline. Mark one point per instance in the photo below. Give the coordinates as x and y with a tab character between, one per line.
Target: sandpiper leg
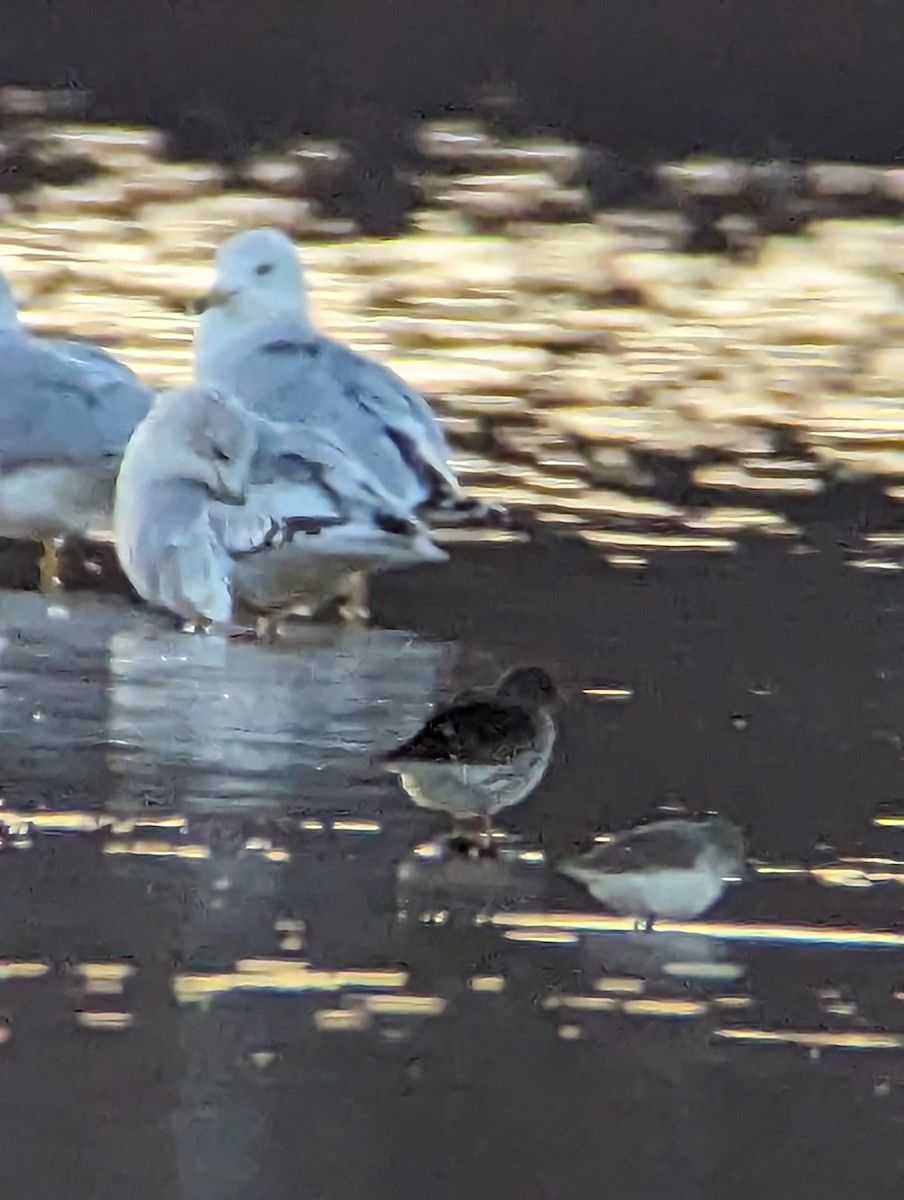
267	628
354	606
50	565
484	833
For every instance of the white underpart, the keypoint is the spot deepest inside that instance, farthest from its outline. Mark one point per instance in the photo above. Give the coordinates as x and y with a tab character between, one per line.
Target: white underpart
467	789
663	892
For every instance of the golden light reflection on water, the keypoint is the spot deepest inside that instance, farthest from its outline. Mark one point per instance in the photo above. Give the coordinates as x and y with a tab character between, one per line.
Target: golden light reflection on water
24	969
540	926
847	872
106	1020
372	999
565	338
341	1020
279	975
487	983
622	985
816	1039
547	937
148	849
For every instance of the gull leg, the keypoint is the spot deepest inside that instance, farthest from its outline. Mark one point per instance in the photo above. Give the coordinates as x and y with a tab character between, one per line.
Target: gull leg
50	565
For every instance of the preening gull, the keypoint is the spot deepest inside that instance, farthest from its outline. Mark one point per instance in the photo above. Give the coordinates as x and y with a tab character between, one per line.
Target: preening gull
255	339
217	508
67	410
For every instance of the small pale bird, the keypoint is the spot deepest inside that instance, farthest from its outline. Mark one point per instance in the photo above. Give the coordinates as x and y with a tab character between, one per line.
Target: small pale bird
676	868
67	410
485	751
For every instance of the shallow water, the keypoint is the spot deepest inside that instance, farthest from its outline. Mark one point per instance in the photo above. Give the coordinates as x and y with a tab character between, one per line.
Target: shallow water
188	822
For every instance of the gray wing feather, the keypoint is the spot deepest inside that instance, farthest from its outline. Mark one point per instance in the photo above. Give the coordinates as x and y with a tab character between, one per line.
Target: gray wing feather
56	409
318	461
291	374
648	847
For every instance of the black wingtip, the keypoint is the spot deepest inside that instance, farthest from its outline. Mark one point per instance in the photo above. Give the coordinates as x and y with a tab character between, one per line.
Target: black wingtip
391	523
464	511
309	525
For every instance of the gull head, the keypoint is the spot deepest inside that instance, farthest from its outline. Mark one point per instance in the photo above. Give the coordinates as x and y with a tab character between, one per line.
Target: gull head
209	438
258	278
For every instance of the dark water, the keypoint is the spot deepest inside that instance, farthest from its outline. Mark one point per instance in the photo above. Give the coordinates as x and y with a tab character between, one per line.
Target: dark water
180	812
643	78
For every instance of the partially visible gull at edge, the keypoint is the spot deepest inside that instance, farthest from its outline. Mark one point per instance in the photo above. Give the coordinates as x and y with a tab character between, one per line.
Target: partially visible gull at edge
216	507
255	339
67	410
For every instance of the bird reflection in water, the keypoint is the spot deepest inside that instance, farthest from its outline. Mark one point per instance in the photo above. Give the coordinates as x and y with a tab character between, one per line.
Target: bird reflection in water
451	879
220	722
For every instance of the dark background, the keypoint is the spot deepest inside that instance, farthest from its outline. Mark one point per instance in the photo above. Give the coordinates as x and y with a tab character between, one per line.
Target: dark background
644	78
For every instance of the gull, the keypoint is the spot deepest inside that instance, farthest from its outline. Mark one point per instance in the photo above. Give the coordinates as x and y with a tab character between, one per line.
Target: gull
256	340
67	410
353	526
206	487
676	868
485	751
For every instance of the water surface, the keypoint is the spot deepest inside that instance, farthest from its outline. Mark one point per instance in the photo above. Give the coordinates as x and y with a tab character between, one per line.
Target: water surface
231	966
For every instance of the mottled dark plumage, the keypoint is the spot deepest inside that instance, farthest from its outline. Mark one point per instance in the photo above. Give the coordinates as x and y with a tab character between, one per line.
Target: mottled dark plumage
476	731
487	750
483	725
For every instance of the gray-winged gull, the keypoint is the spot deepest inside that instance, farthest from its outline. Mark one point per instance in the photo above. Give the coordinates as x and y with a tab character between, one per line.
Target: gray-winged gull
255	339
217	508
67	410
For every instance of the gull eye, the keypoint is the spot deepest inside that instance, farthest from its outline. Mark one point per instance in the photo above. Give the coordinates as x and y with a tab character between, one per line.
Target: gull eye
263	269
221	455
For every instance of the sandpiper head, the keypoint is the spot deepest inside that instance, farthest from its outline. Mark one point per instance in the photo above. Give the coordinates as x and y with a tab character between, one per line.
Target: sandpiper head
530	686
211	439
725	841
258	277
